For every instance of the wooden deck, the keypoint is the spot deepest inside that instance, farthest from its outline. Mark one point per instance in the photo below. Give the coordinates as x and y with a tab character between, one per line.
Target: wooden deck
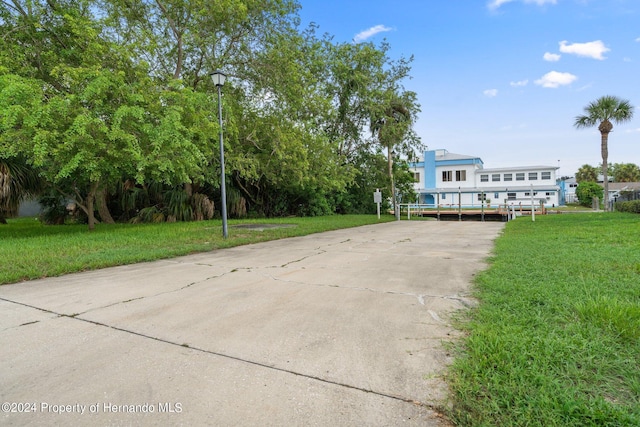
501	213
464	215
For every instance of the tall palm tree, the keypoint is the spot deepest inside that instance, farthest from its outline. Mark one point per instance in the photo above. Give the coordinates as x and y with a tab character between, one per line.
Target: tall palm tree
390	124
601	113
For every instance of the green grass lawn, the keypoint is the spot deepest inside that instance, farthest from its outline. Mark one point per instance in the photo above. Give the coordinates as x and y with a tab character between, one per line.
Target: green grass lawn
555	340
30	250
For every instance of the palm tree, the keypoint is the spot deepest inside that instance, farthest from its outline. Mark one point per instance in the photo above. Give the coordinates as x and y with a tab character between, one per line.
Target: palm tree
391	124
18	181
625	172
602	112
587	173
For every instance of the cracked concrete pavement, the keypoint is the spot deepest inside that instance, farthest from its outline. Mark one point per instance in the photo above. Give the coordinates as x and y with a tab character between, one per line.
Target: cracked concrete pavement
339	328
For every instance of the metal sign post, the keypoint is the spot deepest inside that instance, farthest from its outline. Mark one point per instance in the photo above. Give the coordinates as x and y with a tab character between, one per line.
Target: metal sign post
533	207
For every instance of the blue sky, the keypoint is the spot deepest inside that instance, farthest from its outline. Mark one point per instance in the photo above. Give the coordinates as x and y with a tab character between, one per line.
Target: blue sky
505	79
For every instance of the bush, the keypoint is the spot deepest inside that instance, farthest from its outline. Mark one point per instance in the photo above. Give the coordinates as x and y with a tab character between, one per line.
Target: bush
632	206
586	191
54	208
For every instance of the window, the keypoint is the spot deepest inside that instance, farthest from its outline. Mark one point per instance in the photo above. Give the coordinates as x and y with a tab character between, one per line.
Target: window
508	177
533	176
495	177
484	178
520	176
461	175
511	196
446	176
496	195
548	194
527	194
416	177
481	197
444	196
545	175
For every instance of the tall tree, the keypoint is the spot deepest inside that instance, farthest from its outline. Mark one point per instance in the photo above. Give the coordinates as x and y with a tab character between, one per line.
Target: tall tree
587	173
602	112
391	124
81	109
101	91
625	172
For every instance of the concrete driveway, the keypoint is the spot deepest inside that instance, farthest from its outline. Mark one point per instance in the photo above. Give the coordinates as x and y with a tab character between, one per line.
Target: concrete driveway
339	328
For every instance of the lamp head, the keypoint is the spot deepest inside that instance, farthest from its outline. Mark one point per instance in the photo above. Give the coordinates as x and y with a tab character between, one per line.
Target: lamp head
218	78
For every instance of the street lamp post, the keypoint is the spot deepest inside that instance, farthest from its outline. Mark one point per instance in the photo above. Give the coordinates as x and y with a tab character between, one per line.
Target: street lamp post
218	79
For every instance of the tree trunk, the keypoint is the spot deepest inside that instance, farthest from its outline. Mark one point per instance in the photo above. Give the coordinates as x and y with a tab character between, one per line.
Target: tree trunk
188	188
393	185
91	197
103	209
605	167
91	217
604	128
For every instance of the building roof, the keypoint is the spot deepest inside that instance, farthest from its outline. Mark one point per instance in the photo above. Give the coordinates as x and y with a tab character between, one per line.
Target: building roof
454	156
623	186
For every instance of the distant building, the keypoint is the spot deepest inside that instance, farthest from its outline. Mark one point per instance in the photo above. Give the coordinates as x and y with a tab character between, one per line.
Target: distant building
568	191
624	191
450	179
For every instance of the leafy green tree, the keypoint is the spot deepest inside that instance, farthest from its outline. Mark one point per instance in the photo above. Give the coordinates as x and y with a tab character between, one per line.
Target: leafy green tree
586	191
625	172
89	114
587	173
602	112
100	93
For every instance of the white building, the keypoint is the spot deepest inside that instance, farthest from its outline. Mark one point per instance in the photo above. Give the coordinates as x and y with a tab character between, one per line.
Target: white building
451	179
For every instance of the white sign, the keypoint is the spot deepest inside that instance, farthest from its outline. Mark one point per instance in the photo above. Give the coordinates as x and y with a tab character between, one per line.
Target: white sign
377	199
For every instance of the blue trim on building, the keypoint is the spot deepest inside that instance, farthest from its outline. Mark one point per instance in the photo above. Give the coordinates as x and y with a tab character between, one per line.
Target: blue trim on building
429	169
562	200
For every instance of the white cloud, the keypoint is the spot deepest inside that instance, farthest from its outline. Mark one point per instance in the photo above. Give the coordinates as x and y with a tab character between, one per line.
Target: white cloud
520	83
593	49
638	39
490	93
363	35
632	130
554	79
495	4
627	59
551	57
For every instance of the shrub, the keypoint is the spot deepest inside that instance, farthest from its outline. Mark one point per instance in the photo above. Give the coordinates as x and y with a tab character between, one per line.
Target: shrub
631	206
54	208
586	191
